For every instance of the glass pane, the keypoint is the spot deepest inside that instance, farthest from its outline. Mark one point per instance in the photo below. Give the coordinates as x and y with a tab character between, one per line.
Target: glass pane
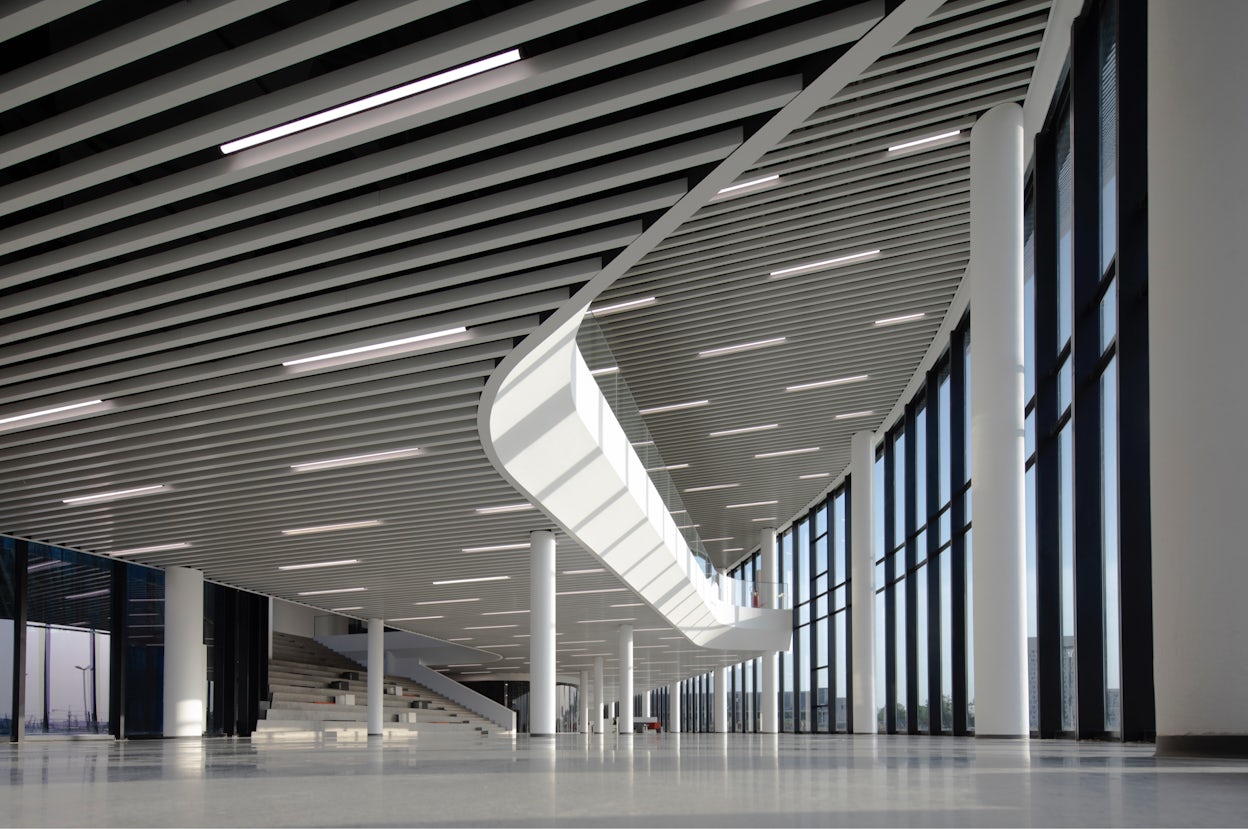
803	699
946	643
1033	643
877	520
821	552
920	547
786	561
1065	386
919	586
899	617
1109	543
842	685
1067	536
1066	231
945	449
801	553
819	645
821	700
881	695
1109	133
1109	315
1029	301
786	698
970	634
899	488
920	468
821	520
8	610
840	550
1029	434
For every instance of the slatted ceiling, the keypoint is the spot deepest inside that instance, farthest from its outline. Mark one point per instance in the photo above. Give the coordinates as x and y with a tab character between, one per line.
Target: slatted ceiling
840	193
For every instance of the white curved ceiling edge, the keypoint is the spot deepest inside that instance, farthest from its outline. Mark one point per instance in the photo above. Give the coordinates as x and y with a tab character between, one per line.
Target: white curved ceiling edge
561	444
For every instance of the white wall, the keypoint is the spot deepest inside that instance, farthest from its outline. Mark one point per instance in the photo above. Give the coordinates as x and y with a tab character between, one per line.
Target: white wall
293	618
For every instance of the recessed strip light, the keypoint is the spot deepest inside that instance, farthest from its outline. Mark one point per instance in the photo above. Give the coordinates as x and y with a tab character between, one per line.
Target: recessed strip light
898	320
447	601
815	475
582	572
781	453
759	520
585	642
603	622
630	604
823	384
758	182
733	549
46	413
373	101
369	349
508	645
598	372
649	630
104	591
504	612
374	457
415	618
491	627
710	488
733	349
318	564
639	444
115	495
851	415
464	664
931	139
335	590
670	467
503	509
673	407
827	263
750	504
688	526
155	548
326	528
471	580
344	609
725	538
744	430
586	592
497	548
626	305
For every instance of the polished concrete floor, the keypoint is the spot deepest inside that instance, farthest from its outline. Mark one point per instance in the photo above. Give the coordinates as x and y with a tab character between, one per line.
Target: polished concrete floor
652	780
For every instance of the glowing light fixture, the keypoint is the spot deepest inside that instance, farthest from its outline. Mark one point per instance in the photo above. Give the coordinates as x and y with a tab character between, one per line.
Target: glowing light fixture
504	509
898	320
155	548
335	590
710	488
823	384
49	414
318	564
497	548
326	528
415	618
448	601
749	504
783	452
851	415
673	407
353	460
626	305
734	349
598	372
826	263
472	580
389	346
920	142
744	430
748	185
582	572
100	497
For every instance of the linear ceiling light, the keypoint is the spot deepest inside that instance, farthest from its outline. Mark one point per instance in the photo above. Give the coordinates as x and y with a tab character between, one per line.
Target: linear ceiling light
744	430
48	413
827	263
643	443
415	618
757	182
326	528
318	564
471	580
498	548
373	457
931	139
115	495
733	550
626	305
585	642
372	101
672	407
768	518
582	572
603	622
710	487
598	372
341	609
805	451
688	526
491	627
649	630
724	538
851	415
749	504
503	612
369	349
586	592
668	468
733	349
823	384
335	590
155	548
898	320
504	508
815	475
630	604
447	601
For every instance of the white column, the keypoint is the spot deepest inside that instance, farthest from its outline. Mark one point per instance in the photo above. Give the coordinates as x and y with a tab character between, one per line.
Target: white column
625	685
583	695
186	657
996	274
721	699
645	704
769	705
376	675
673	708
600	696
862	574
1197	131
542	633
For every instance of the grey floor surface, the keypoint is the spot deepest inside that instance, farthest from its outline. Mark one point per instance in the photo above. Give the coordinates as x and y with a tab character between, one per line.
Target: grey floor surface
652	780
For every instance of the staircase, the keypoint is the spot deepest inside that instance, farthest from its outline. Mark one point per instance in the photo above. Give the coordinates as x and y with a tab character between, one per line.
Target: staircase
310	697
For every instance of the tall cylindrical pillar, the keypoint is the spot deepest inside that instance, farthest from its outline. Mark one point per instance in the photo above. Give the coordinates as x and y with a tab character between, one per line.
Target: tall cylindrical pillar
1197	400
862	576
542	633
721	699
186	657
625	685
600	696
673	708
645	704
583	695
769	593
376	675
997	455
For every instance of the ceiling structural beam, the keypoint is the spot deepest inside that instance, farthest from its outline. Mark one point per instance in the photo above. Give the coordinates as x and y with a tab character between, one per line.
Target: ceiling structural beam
24	17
